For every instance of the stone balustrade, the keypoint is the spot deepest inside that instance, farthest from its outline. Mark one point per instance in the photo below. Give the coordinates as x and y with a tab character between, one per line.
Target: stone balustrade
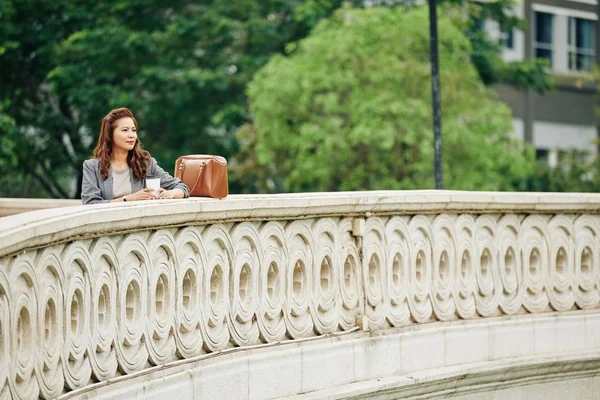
89	293
10	206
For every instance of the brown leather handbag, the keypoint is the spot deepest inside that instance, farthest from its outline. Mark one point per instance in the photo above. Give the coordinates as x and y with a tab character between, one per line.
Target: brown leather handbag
204	175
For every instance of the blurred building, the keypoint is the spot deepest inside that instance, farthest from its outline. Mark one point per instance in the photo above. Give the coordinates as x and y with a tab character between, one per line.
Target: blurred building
565	32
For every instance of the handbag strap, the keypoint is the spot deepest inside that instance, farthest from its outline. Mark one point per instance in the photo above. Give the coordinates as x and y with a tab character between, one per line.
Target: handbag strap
182	168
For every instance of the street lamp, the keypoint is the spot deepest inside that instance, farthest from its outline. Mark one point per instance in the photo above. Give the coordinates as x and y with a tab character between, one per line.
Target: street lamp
435	96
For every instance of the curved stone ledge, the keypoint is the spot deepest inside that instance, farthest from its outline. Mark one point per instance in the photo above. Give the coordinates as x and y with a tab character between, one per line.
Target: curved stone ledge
90	294
439	360
567	377
10	206
40	228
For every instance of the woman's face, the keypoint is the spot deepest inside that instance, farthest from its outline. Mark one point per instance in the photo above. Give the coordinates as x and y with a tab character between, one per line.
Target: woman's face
124	134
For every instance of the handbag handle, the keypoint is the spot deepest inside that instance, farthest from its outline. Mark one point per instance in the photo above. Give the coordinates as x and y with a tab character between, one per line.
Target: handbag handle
182	169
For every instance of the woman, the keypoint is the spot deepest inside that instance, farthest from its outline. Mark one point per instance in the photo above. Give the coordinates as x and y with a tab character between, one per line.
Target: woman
119	170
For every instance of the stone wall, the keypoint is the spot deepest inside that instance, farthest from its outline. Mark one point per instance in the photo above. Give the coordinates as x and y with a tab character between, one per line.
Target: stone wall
89	293
10	206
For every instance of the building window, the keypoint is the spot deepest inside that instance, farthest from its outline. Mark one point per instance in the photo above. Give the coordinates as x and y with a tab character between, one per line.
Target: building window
541	155
479	24
507	39
581	44
542	45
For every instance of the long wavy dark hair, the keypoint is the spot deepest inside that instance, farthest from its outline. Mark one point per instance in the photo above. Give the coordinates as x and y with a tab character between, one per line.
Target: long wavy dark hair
137	159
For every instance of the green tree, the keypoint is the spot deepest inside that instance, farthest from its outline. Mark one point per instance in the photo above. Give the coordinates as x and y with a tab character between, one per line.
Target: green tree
576	172
350	110
182	66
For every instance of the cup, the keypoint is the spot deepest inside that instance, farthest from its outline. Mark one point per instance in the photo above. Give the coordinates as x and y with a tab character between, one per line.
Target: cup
153	183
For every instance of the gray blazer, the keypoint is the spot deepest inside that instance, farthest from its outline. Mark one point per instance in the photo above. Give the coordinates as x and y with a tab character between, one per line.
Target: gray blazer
96	190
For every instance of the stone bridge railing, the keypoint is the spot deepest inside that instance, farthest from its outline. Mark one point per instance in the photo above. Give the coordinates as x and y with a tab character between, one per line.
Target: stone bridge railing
88	293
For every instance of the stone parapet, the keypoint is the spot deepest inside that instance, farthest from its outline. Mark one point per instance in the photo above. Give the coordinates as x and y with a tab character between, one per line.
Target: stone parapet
10	206
89	293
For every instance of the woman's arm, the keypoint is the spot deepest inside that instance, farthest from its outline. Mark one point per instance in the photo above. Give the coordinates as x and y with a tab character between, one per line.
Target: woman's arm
90	189
144	194
176	188
171	194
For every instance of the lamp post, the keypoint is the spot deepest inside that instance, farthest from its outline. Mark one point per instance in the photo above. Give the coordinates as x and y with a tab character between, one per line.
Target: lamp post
435	96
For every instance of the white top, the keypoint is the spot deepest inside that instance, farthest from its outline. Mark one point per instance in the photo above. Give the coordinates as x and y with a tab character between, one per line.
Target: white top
121	182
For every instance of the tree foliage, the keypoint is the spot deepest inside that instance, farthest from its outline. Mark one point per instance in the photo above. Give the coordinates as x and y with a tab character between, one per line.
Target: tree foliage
576	172
182	66
350	109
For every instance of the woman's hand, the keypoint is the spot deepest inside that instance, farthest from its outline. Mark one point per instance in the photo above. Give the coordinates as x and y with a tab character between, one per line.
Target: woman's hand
169	194
144	194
